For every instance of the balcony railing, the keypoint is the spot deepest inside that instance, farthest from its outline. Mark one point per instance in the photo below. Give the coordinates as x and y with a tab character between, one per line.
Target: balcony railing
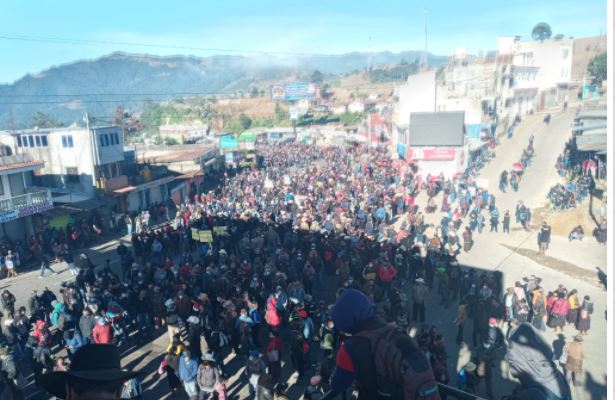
25	204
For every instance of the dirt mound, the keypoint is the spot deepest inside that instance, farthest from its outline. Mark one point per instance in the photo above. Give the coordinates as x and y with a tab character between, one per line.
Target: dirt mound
562	222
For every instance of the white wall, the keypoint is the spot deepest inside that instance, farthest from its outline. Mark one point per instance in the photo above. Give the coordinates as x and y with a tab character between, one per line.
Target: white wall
554	57
472	108
417	95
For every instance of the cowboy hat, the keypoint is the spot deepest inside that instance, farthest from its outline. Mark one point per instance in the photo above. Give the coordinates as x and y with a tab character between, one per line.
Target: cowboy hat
420	280
93	362
208	357
470	367
193	320
578	338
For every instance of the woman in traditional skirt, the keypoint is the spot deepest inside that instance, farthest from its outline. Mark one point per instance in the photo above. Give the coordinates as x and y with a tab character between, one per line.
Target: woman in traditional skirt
584	320
573	313
539	309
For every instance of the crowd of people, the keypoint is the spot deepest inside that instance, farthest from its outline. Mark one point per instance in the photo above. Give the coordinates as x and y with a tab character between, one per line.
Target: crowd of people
306	241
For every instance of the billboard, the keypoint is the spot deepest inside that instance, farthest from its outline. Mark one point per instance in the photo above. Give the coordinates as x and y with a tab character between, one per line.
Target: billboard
432	154
293	91
227	142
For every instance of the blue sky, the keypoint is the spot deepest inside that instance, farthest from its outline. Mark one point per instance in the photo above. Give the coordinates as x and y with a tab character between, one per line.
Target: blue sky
315	26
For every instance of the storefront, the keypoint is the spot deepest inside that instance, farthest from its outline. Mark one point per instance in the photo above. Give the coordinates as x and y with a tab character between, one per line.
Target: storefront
448	161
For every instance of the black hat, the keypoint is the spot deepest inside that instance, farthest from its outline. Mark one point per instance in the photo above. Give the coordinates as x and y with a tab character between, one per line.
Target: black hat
93	362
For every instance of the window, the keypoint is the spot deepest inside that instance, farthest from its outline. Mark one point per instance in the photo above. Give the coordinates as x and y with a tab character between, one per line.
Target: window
72	174
67	141
19	141
1	187
31	140
44	140
37	139
564	73
104	140
117	138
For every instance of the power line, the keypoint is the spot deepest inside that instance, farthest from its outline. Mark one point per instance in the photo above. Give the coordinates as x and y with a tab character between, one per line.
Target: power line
91	42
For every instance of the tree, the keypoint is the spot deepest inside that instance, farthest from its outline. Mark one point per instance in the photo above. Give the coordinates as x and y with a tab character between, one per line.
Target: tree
254	92
597	68
43	121
541	31
130	125
316	76
324	91
245	121
279	112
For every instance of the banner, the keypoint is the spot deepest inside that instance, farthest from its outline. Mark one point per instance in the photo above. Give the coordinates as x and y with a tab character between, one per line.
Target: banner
195	234
221	230
205	236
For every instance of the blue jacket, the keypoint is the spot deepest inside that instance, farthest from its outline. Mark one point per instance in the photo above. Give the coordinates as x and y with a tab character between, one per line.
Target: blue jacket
75	343
187	369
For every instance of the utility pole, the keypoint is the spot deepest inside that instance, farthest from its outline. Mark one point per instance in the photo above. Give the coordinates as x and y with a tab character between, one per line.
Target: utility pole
424	57
369	54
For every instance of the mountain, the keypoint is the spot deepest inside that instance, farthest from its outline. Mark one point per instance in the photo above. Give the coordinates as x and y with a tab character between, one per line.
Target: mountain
98	86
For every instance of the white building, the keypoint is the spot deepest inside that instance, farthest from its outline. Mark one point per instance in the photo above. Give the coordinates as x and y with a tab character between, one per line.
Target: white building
76	160
418	94
20	201
552	57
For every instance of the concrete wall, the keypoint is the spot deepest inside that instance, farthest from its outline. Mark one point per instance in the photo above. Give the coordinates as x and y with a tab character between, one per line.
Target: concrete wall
417	95
554	57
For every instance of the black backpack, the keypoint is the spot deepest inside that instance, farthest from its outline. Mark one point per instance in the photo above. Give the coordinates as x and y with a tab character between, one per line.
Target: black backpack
403	371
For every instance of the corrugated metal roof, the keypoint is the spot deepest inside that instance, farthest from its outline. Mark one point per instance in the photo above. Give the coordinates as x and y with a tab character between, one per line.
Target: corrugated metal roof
589	127
591	142
437	128
17	161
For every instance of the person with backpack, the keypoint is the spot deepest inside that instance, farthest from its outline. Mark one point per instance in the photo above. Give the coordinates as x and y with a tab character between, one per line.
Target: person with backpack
385	363
207	376
584	321
314	390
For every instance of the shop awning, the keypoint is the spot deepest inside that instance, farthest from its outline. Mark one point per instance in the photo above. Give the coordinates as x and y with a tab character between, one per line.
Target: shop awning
589	127
79	206
594	114
591	142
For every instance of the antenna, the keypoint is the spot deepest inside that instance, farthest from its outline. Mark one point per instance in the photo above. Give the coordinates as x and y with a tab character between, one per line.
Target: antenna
424	56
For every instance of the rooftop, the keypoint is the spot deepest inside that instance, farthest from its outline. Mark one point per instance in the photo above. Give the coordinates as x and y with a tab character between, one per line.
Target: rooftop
18	161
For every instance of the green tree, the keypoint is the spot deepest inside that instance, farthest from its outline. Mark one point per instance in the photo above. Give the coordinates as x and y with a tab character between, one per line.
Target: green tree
43	121
151	117
597	68
254	92
245	121
541	31
279	112
316	76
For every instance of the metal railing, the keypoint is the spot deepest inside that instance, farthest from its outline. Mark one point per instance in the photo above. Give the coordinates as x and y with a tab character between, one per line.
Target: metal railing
26	200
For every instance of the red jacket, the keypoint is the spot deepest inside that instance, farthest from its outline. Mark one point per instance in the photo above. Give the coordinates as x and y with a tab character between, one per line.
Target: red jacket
102	334
386	275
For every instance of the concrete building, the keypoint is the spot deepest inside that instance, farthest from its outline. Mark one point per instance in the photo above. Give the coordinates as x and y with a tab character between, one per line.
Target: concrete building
184	133
418	94
437	143
470	84
20	200
77	160
552	57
